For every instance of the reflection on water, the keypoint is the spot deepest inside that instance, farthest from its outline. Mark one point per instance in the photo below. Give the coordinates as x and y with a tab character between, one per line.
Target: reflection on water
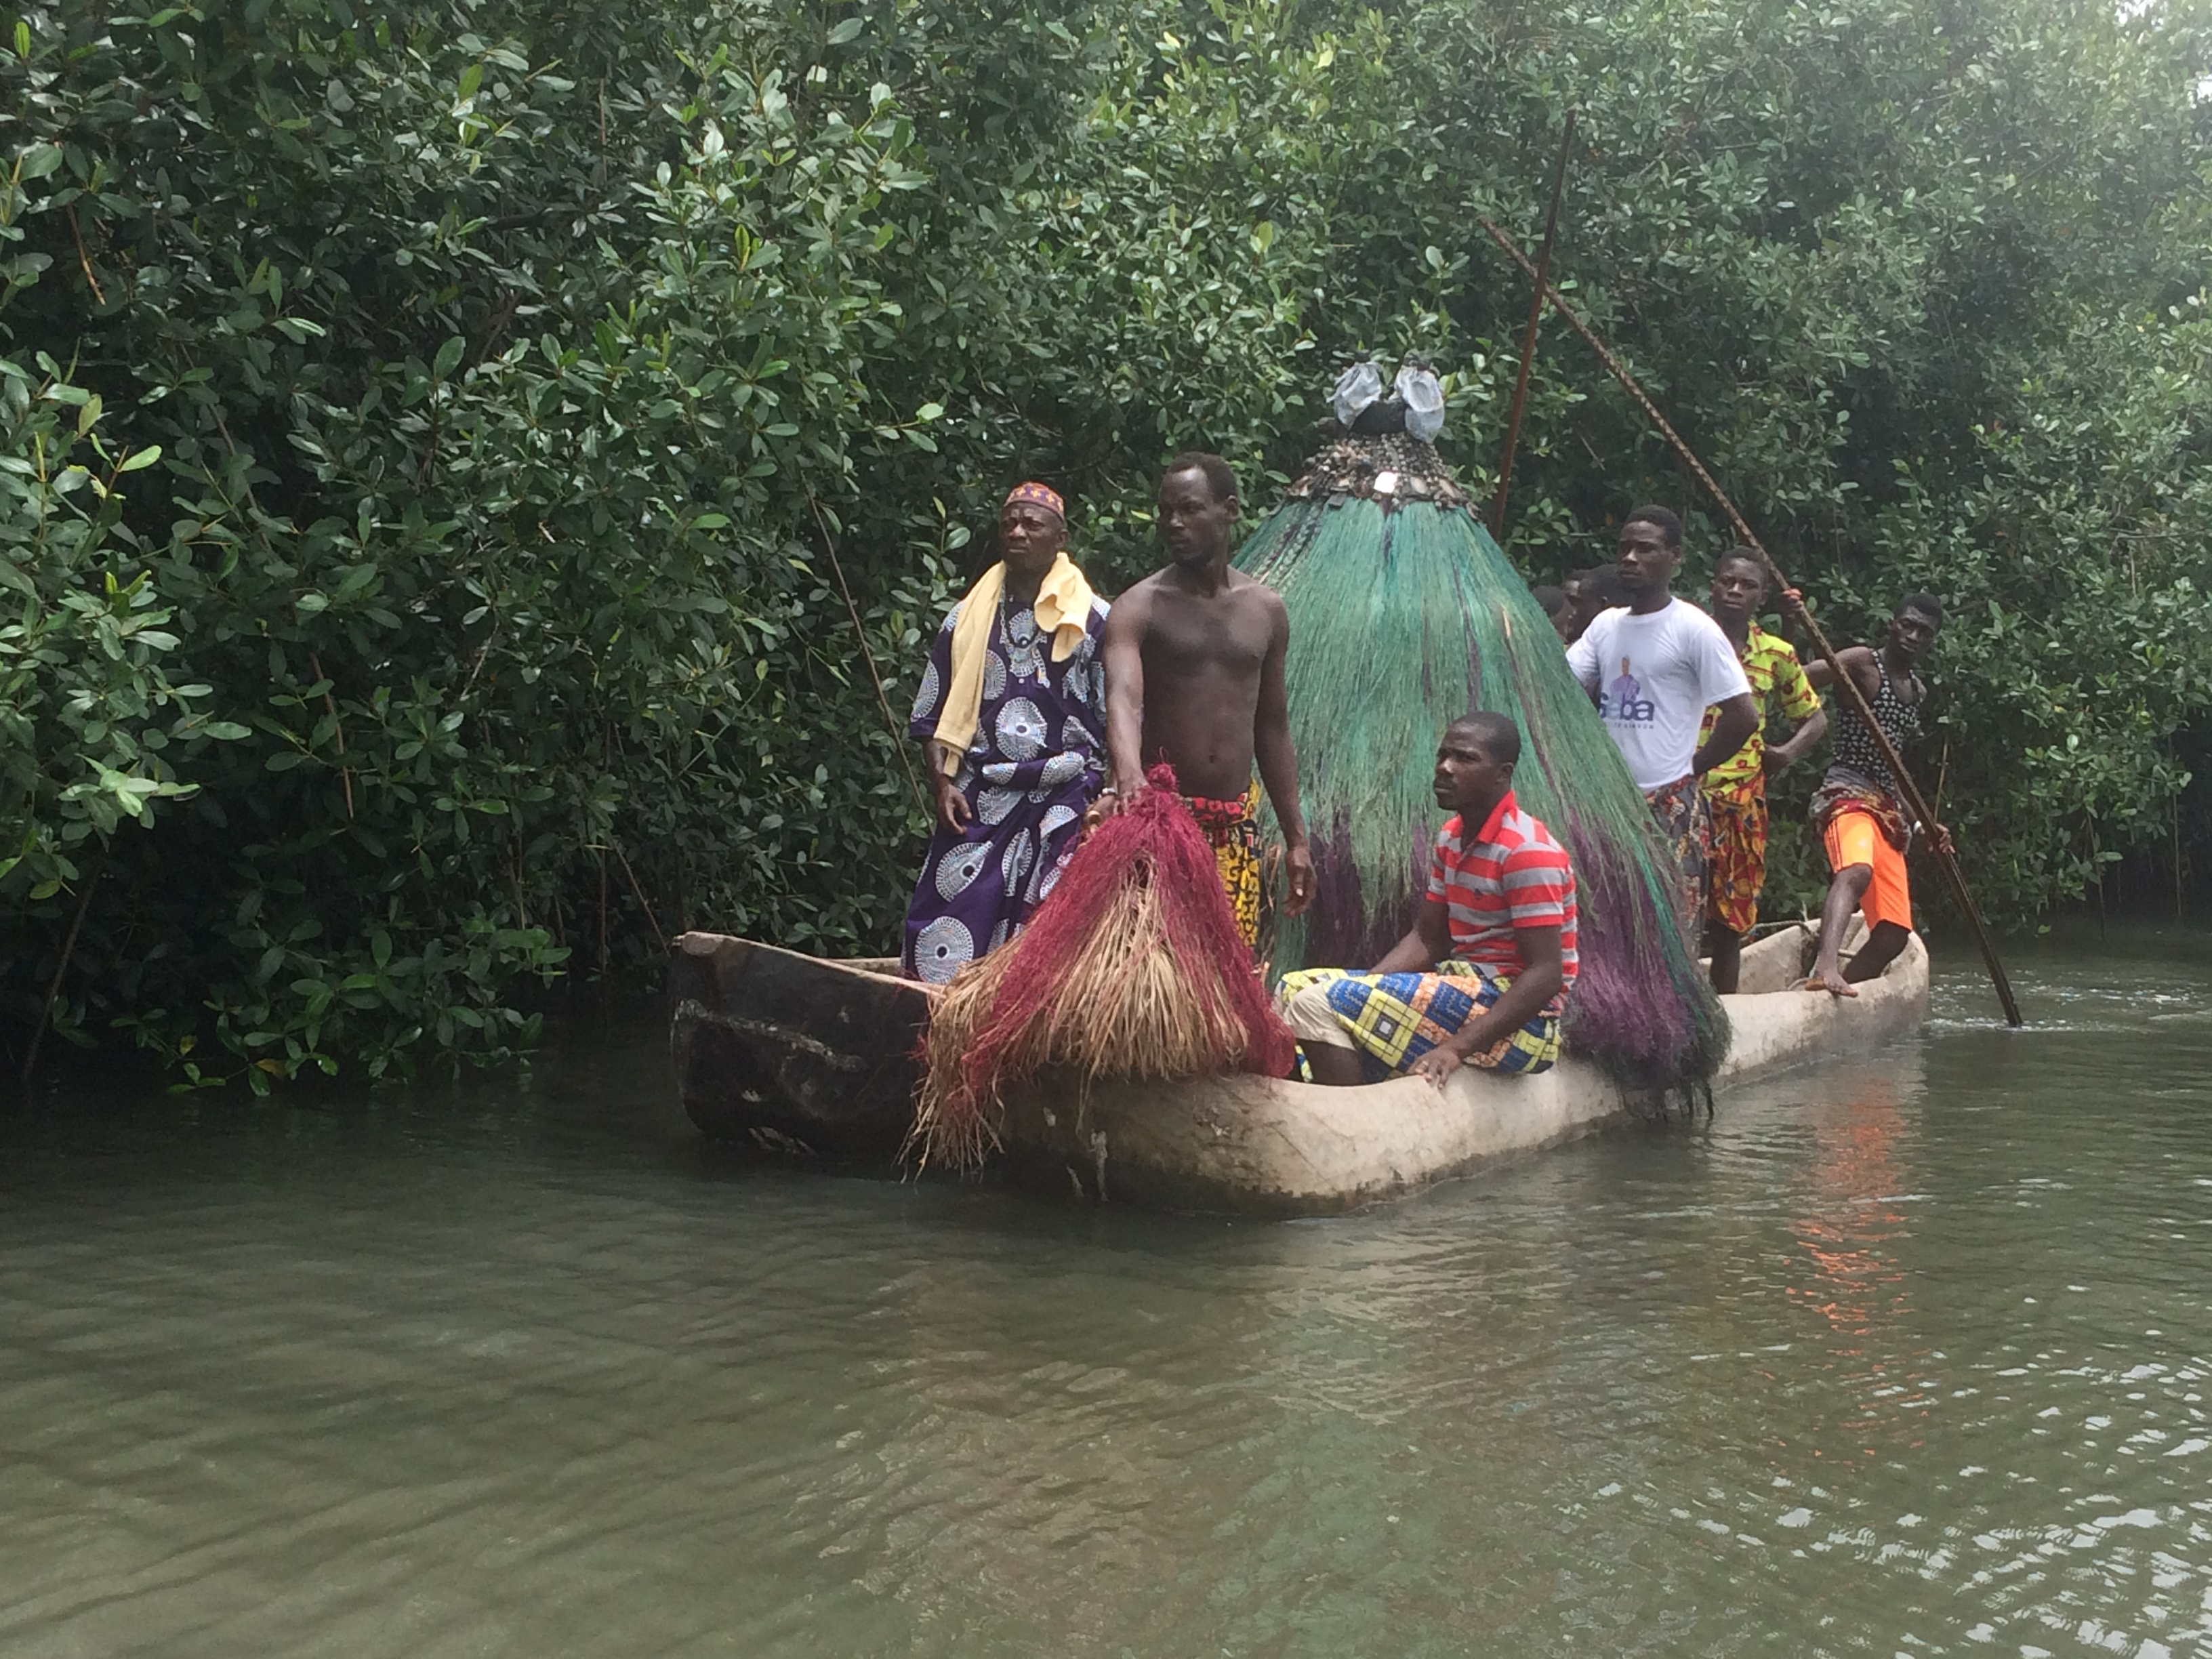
1904	1355
1851	1208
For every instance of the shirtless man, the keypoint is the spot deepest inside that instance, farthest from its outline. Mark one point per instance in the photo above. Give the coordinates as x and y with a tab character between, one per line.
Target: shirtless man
1194	677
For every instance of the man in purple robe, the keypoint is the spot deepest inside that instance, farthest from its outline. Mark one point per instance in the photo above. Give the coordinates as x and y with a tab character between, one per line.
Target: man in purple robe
1011	713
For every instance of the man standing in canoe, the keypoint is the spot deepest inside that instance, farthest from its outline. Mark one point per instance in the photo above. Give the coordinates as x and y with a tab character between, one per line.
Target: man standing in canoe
1193	658
1011	713
1735	789
1481	980
1654	668
1589	593
1863	821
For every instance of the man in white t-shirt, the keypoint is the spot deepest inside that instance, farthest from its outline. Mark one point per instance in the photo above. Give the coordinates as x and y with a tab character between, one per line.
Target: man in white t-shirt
1655	667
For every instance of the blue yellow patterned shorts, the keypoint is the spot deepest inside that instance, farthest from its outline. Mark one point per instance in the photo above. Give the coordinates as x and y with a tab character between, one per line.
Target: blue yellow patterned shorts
1392	1020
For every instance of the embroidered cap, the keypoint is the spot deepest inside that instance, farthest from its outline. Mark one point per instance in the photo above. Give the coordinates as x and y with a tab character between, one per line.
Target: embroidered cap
1038	495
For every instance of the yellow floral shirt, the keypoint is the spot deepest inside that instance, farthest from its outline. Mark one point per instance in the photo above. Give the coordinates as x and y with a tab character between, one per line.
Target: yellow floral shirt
1771	663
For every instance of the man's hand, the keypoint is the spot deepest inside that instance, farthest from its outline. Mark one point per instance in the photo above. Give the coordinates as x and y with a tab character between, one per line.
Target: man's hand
1780	755
1298	861
1437	1065
1733	727
953	811
1116	797
1104	806
1791	604
1939	839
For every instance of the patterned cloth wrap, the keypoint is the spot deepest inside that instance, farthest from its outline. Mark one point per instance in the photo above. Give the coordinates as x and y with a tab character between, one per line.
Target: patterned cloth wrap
1686	821
1837	794
1233	827
1736	790
1393	1020
1738	867
1037	758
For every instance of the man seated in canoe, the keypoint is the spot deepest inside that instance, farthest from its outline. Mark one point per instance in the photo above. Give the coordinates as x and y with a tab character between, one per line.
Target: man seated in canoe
1195	664
1864	824
1011	713
1482	978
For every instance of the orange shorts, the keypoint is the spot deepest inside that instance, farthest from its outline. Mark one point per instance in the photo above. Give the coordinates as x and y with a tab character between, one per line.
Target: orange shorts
1854	837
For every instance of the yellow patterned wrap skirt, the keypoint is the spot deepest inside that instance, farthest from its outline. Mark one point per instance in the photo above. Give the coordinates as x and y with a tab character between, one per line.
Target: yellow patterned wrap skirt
1233	827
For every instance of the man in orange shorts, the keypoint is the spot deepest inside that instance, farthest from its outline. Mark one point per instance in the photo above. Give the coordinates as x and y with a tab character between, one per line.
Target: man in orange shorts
1863	822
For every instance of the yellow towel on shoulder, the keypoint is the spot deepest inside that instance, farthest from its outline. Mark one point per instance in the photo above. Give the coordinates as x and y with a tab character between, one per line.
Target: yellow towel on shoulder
1063	609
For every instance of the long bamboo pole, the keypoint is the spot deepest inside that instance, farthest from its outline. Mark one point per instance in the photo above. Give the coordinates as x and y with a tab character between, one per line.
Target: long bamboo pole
1529	336
1939	841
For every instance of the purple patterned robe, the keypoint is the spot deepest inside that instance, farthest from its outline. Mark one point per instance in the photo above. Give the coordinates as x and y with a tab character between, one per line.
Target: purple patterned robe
1037	759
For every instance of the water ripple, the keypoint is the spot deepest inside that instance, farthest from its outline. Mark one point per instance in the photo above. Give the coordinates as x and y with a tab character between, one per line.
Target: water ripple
1908	1355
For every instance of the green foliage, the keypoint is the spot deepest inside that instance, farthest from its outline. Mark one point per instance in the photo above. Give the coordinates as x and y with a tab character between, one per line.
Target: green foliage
496	493
513	388
2076	564
91	726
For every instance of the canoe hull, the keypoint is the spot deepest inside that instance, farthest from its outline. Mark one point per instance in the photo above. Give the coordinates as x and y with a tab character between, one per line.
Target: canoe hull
1261	1145
791	1054
803	1057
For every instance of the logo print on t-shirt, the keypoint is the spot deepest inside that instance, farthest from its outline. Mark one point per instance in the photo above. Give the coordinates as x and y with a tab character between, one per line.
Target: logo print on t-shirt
1624	701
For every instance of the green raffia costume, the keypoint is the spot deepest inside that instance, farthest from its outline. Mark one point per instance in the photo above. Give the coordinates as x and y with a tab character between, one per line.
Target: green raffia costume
1404	615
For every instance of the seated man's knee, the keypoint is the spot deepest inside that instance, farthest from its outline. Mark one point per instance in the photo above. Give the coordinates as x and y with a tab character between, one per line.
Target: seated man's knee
1310	1017
1856	879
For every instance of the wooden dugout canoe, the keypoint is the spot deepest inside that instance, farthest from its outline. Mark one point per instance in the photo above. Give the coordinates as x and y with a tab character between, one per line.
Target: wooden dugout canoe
793	1054
1257	1146
811	1058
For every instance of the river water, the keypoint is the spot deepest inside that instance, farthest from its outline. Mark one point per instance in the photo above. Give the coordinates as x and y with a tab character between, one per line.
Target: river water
1902	1357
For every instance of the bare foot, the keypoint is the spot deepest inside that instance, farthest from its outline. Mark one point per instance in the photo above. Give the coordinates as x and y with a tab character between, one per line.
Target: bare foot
1829	980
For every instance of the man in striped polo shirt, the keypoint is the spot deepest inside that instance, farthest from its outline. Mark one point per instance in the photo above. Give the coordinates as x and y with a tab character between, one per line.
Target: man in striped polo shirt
1481	979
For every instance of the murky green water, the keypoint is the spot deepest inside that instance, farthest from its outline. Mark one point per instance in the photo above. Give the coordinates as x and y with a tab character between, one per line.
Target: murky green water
1907	1357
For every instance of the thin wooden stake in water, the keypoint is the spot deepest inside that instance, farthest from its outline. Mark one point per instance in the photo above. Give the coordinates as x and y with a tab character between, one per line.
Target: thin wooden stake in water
643	902
1528	337
54	989
883	702
1945	860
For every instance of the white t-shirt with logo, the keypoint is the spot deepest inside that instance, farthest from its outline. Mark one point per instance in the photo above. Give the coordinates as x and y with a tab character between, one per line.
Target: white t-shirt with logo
1654	677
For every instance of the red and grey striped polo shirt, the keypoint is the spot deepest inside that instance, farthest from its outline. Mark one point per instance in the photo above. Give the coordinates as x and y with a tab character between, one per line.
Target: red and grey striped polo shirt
1511	874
